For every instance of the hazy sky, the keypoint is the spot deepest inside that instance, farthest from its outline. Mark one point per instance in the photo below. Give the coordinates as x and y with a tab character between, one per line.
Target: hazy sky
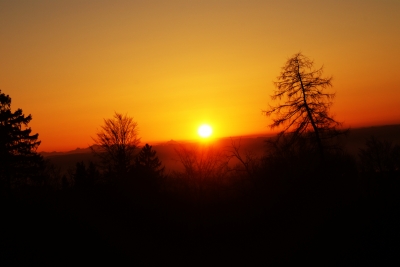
173	65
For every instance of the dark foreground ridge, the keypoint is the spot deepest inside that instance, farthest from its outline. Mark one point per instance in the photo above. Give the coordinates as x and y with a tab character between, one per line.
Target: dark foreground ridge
320	218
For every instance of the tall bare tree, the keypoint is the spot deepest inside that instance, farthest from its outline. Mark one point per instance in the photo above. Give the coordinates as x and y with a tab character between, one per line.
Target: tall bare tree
118	140
305	109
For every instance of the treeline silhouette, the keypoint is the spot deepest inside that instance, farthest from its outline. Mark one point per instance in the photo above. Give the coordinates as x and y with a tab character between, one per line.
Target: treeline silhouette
280	208
305	199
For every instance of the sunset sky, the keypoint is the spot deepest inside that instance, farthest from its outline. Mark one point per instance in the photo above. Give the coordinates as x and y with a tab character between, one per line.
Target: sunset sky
173	65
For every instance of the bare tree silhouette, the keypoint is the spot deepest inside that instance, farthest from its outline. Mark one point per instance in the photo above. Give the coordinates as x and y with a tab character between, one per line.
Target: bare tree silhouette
118	140
305	111
202	164
249	161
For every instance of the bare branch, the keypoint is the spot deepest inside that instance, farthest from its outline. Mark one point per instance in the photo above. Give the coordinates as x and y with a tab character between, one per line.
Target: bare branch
118	140
306	104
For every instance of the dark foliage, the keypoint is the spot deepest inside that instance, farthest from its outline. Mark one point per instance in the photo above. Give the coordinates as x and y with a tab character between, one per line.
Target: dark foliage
278	219
147	163
86	177
380	156
19	162
283	213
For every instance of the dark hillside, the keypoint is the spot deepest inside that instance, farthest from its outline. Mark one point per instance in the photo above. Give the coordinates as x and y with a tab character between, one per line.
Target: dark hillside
251	144
357	137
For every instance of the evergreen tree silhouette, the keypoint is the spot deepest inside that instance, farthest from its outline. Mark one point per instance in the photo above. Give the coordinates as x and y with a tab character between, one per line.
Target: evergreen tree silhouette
19	162
148	164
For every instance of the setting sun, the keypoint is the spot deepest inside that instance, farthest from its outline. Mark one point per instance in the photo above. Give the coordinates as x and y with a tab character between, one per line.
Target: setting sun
205	130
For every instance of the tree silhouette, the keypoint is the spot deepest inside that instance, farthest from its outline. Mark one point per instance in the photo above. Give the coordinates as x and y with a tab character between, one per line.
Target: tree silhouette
202	162
148	164
118	140
19	161
379	156
305	112
85	177
249	162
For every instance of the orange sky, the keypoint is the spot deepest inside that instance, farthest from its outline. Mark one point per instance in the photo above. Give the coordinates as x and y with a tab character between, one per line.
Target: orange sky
173	65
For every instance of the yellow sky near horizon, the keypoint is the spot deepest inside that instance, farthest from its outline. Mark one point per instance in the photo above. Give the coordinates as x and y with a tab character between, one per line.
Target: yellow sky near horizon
174	65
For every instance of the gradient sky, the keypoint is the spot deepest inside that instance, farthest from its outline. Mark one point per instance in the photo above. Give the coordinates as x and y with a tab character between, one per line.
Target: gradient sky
172	65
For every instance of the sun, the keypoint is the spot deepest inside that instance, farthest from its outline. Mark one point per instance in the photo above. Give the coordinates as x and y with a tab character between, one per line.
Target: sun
205	130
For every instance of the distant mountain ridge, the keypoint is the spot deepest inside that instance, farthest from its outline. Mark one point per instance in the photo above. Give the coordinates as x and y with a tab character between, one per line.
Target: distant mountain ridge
390	132
166	151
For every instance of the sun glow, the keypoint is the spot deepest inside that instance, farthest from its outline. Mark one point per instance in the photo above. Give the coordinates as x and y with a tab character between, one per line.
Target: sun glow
204	130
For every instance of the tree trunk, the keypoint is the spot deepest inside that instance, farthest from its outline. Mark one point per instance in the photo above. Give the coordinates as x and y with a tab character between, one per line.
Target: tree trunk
309	114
